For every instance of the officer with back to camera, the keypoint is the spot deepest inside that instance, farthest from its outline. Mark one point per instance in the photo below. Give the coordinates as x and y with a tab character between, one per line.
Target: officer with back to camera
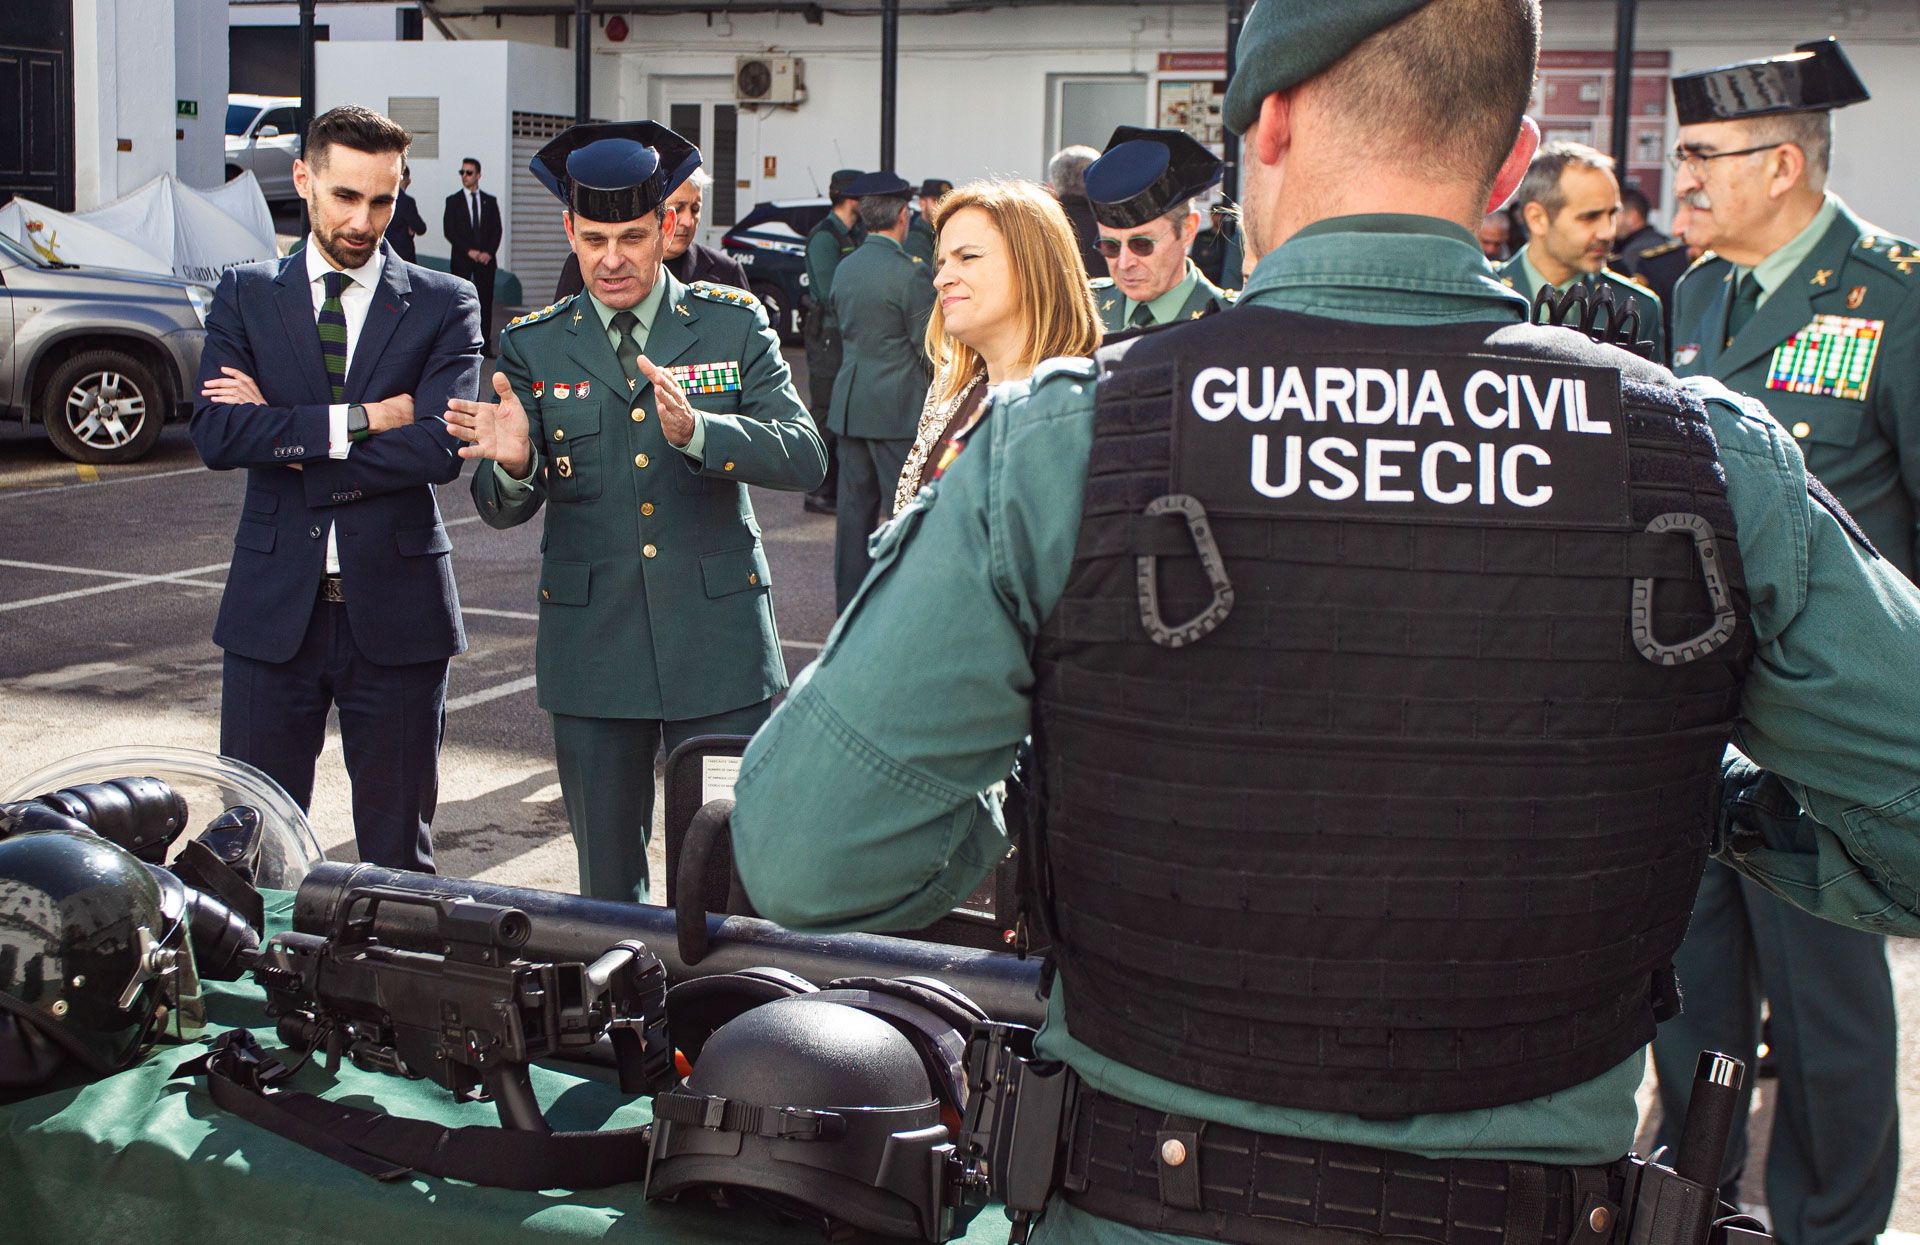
636	413
836	236
1815	312
1142	189
1379	685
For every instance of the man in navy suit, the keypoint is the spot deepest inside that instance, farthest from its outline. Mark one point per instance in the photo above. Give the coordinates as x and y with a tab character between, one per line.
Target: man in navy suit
327	375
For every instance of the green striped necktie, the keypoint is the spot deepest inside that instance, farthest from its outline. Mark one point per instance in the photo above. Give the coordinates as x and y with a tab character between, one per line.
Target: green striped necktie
332	323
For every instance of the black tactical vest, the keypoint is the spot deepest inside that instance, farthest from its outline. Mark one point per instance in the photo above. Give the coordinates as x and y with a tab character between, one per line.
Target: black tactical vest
1381	718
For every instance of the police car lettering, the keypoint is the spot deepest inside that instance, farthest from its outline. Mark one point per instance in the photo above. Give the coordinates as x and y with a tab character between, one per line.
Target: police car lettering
1464	439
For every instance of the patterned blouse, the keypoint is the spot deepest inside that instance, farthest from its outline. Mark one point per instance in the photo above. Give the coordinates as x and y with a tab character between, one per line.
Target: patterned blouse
939	423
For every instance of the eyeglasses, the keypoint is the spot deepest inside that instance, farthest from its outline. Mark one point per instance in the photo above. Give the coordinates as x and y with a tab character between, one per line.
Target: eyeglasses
1696	161
469	172
1139	244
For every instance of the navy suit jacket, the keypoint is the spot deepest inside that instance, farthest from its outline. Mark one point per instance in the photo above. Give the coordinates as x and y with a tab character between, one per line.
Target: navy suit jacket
421	337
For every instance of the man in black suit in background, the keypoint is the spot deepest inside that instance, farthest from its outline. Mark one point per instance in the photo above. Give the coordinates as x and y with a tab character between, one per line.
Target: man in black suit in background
472	226
407	223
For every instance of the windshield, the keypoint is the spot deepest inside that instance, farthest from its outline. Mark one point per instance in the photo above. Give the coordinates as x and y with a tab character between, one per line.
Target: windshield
15	251
240	116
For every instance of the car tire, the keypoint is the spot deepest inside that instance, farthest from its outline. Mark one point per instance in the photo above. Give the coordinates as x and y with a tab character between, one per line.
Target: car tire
102	406
782	320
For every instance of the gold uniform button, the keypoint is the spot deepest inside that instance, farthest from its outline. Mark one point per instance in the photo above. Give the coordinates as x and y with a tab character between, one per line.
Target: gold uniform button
559	434
649	551
1801	429
753	577
641	460
639	416
729	466
646	507
545	595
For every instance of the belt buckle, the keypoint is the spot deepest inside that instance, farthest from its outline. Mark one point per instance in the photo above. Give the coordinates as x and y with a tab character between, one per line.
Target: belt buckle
332	590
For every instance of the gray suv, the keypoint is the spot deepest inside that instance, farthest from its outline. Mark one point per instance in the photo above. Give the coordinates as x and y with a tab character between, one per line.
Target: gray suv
100	357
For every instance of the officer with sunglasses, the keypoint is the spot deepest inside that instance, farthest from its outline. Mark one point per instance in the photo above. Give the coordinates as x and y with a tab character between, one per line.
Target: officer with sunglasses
1142	190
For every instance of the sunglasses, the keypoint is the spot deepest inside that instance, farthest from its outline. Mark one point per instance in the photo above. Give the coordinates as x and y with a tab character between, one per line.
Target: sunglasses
1139	244
469	172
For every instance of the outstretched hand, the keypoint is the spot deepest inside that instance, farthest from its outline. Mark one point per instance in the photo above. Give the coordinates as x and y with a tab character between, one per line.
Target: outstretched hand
495	430
670	400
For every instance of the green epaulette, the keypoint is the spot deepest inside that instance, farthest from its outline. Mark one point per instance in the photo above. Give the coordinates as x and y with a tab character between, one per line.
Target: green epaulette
1888	253
722	294
545	313
1665	248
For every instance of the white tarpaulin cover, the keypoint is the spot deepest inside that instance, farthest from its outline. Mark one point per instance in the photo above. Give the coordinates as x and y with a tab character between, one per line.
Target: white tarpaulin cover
164	227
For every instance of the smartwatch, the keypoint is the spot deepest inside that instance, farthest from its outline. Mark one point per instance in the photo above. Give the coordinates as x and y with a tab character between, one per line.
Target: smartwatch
358	428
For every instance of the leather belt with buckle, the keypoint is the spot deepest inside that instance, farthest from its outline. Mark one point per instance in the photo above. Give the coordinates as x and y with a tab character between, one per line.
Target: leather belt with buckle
331	590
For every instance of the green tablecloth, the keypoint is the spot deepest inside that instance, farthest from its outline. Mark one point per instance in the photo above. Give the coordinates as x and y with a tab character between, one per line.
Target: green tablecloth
142	1158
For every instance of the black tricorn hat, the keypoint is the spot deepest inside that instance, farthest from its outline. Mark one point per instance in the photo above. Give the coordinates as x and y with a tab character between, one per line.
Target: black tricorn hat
613	171
841	179
1143	173
1812	78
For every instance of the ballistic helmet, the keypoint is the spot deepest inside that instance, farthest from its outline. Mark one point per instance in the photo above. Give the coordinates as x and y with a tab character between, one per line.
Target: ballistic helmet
91	959
834	1107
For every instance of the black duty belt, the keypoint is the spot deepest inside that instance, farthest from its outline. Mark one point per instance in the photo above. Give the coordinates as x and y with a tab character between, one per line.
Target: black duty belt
1170	1173
331	589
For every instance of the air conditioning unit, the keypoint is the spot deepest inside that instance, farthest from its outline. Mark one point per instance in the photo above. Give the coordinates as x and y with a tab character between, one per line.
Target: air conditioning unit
768	80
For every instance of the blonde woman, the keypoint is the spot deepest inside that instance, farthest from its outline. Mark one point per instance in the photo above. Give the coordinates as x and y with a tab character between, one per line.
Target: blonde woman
1009	291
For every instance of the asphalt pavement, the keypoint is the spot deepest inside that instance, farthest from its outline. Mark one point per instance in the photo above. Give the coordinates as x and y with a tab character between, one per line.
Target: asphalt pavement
110	579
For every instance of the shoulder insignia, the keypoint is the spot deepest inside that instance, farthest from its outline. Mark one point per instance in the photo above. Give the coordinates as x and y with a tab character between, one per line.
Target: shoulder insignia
1507	281
916	259
1894	255
1229	297
545	313
722	294
1101	283
1665	248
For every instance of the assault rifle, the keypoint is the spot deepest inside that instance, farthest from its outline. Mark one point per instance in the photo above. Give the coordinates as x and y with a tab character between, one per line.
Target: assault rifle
471	1015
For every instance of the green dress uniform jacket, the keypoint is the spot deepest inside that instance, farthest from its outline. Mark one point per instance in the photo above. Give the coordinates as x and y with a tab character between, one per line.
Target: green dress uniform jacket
827	244
653	583
881	299
1204	299
866	801
920	240
1834	352
1518	275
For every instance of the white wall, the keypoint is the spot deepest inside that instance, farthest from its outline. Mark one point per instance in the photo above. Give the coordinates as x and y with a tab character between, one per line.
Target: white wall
480	85
122	90
200	74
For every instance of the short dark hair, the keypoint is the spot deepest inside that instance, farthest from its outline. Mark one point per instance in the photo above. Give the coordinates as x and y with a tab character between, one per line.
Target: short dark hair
879	212
1632	196
1447	83
362	129
1542	183
466	160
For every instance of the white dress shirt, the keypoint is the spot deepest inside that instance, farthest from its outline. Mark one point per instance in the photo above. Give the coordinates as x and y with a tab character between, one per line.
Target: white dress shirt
356	297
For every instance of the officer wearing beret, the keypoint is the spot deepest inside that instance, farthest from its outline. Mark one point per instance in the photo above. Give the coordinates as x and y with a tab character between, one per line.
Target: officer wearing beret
1377	687
1808	308
829	242
881	300
637	412
1570	201
920	240
1142	189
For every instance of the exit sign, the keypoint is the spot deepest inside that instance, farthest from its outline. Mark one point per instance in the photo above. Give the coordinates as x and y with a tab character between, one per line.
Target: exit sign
768	165
186	108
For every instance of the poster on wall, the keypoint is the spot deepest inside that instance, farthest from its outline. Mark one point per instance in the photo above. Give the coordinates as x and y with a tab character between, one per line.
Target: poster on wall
1190	89
1573	100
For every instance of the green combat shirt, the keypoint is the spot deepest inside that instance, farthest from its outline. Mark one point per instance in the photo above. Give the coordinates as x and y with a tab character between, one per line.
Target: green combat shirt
1193	297
653	588
1834	352
920	240
861	803
827	244
1520	275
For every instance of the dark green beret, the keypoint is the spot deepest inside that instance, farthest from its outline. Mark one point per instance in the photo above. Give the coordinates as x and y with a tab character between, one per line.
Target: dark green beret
1285	42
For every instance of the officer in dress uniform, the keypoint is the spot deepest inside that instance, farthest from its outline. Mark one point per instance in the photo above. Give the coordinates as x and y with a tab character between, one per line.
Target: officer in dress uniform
637	412
837	236
1570	201
920	240
1142	189
1371	803
1801	304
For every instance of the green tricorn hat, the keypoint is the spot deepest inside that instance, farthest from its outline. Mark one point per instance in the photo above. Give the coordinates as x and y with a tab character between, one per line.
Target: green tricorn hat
1285	42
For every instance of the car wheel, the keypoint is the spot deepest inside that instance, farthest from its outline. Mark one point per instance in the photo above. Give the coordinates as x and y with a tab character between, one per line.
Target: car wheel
102	406
777	313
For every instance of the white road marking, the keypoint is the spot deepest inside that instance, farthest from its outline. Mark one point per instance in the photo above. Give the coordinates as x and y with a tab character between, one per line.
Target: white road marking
135	581
496	692
478	612
126	479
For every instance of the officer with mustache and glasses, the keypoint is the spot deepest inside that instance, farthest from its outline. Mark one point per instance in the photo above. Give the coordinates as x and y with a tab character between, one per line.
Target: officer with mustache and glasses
1806	307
